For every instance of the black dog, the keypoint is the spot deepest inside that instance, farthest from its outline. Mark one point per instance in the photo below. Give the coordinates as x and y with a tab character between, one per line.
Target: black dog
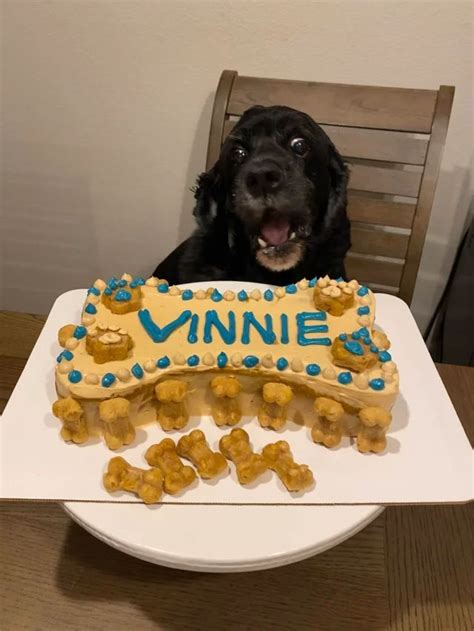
271	210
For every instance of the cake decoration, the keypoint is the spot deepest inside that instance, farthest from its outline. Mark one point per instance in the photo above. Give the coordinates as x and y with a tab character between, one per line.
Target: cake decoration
144	342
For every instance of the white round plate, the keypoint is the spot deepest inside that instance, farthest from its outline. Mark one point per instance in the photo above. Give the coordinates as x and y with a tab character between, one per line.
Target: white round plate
221	538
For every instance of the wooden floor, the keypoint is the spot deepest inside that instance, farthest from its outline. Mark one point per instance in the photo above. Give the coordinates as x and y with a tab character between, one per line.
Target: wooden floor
409	570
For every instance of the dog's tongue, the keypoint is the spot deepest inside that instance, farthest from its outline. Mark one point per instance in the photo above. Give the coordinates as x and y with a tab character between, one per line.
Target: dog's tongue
275	231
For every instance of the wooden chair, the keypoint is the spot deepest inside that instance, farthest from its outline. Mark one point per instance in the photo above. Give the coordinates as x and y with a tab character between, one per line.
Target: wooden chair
392	139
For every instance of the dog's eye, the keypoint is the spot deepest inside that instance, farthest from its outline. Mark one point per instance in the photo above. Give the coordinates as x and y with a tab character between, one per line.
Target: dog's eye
299	146
239	154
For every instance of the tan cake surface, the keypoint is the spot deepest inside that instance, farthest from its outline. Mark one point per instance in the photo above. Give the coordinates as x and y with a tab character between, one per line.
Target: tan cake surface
295	347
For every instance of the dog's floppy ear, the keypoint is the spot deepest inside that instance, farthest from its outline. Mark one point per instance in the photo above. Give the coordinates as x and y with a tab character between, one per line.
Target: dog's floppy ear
339	174
209	196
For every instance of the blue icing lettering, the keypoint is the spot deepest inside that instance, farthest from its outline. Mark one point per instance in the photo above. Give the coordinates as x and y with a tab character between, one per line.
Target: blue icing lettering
377	384
304	329
216	296
268	295
90	308
250	361
137	371
343	337
163	362
384	356
313	370
313	281
193	360
362	291
291	289
80	332
363	310
354	347
123	295
157	333
345	378
187	294
107	291
108	379
122	283
242	295
163	288
284	339
192	335
266	333
212	319
74	376
93	290
222	360
282	363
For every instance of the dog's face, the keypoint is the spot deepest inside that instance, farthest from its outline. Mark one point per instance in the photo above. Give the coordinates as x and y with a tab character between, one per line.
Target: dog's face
280	177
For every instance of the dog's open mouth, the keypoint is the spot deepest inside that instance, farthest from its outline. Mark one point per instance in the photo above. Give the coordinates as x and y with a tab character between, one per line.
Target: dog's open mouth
279	242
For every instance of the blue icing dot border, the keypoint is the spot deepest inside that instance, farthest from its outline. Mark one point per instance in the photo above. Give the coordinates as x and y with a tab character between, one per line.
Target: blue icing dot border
242	295
312	282
80	332
163	288
122	282
377	384
75	376
344	378
66	354
216	296
250	361
222	360
90	308
362	291
385	356
137	371
163	362
282	363
291	289
313	370
108	379
363	310
93	290
193	360
268	295
187	294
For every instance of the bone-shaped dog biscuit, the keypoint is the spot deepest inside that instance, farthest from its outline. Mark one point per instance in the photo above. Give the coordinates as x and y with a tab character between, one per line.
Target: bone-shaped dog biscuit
71	414
236	447
172	412
121	476
225	408
116	426
176	475
296	477
194	447
327	428
273	411
374	422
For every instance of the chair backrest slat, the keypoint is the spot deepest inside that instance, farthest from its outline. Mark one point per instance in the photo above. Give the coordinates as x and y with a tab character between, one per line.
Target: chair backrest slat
392	140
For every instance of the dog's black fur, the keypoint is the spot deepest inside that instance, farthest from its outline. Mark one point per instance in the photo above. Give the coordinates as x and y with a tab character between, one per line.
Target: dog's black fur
278	174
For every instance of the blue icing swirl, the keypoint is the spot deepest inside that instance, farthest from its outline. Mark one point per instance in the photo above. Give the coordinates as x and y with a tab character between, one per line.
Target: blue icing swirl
122	283
108	379
193	360
291	289
187	294
216	296
363	310
163	288
163	362
90	308
74	376
377	384
313	370
137	371
80	332
242	295
66	354
268	295
344	378
192	335
93	290
122	295
282	363
384	356
250	361
343	337
354	347
222	360
107	291
362	291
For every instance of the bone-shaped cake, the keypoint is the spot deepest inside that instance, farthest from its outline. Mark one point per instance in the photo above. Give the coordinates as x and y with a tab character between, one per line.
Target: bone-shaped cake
170	351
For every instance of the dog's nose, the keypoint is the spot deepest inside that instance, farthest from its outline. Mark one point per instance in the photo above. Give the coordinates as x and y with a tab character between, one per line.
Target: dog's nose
263	179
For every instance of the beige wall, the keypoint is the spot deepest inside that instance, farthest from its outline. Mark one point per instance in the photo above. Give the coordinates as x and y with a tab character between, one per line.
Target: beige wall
106	109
